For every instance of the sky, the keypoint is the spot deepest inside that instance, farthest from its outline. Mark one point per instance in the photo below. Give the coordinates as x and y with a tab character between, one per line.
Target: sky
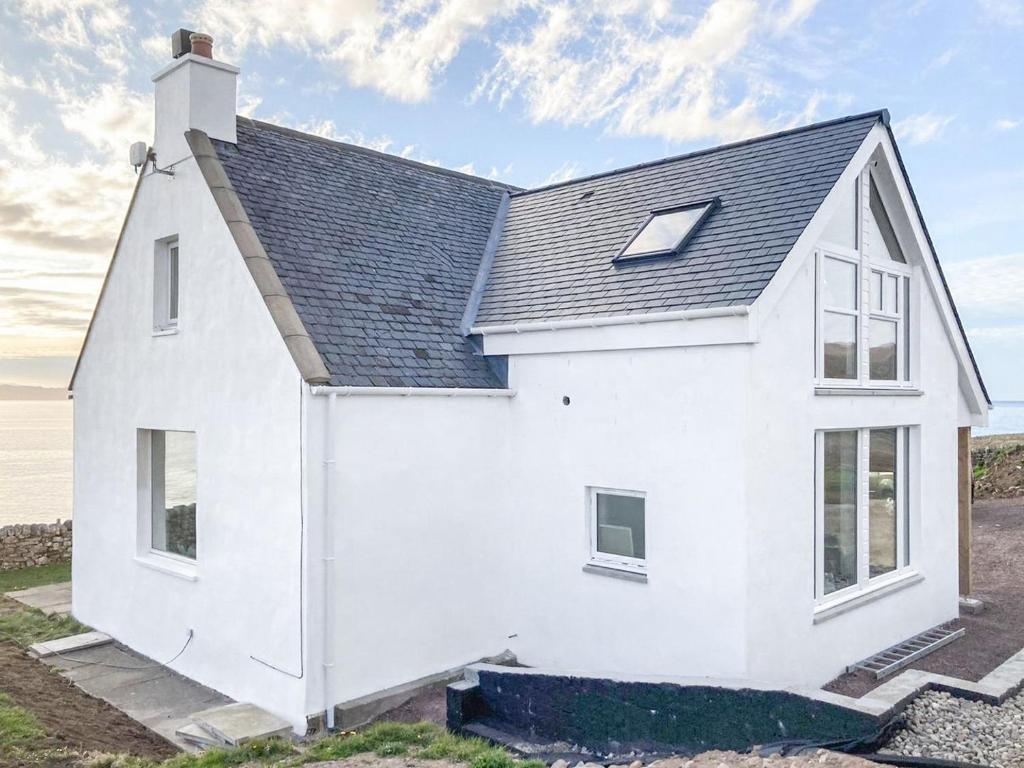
525	91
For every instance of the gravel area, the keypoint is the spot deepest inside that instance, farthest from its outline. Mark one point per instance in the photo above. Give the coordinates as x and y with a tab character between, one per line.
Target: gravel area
944	726
996	633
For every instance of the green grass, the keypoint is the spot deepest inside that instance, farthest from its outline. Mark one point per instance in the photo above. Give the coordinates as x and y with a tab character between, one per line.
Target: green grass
23	578
17	726
424	741
28	625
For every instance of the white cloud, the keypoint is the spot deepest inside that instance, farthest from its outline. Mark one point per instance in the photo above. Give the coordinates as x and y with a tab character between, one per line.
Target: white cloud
99	27
923	128
1003	12
942	60
1006	124
990	284
399	50
564	172
643	70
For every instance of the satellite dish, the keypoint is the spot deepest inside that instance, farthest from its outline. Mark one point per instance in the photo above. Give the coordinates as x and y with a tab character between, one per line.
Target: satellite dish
137	154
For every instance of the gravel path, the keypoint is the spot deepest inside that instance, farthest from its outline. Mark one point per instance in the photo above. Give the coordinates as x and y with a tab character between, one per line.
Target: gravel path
947	727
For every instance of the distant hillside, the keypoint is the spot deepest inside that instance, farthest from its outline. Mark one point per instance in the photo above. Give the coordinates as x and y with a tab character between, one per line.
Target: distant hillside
22	392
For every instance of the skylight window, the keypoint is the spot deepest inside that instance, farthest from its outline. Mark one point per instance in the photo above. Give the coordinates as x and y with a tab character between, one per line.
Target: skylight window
666	231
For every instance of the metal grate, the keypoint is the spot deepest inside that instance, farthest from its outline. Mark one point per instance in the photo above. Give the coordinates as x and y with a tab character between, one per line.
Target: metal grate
891	660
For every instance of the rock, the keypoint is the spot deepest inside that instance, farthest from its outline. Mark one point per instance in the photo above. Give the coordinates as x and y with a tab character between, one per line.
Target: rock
560	764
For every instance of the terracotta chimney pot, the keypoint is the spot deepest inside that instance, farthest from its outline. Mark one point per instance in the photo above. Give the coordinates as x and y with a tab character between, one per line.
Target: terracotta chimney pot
202	45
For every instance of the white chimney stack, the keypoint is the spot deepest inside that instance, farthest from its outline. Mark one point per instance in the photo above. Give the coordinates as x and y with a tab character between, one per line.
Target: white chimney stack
193	92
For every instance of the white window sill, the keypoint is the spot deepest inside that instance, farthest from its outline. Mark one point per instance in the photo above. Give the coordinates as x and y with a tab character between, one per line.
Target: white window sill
172	566
164	331
615	572
869	391
869	594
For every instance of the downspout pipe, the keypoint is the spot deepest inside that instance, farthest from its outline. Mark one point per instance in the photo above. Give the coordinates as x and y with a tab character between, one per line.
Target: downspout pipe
330	468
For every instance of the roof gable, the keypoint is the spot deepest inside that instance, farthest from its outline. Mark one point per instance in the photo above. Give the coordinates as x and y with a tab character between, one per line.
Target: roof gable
555	257
377	254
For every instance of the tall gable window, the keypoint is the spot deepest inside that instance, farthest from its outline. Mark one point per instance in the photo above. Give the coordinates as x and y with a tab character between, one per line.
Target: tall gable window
863	325
167	480
863	510
665	232
165	286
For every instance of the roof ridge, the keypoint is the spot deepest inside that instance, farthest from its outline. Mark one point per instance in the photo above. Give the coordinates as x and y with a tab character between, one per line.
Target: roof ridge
377	153
880	114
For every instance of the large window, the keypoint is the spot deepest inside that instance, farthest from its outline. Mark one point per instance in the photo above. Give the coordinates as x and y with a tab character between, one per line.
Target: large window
863	507
618	536
172	492
165	286
863	315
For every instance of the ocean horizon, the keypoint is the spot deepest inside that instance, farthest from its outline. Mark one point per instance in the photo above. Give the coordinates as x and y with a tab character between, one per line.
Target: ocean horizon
36	455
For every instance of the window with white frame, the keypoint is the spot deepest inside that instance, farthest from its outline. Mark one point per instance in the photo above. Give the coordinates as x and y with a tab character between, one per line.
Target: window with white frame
165	286
862	507
167	492
863	331
617	528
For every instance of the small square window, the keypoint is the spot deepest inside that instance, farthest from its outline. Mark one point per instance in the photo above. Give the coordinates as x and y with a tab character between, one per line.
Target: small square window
618	530
665	232
165	286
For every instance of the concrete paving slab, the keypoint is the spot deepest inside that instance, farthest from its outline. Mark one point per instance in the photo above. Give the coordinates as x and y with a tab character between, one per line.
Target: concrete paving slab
146	691
238	723
79	666
49	598
69	644
193	734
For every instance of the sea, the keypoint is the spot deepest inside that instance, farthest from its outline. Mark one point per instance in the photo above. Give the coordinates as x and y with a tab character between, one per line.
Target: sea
36	448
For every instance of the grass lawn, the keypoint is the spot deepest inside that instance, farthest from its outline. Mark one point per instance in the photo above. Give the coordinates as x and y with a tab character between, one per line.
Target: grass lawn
421	741
24	578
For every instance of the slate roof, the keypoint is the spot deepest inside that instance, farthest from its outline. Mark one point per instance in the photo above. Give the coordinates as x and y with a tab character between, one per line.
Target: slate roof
377	253
554	261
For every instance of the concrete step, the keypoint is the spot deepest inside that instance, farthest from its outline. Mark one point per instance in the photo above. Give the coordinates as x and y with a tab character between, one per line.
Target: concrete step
198	737
69	644
236	724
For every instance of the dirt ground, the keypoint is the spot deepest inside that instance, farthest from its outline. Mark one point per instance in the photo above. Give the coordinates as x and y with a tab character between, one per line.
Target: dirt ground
998	466
430	705
997	632
71	718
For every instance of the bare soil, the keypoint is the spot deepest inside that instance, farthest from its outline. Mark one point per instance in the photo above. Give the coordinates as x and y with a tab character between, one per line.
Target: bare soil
430	705
71	718
998	466
996	633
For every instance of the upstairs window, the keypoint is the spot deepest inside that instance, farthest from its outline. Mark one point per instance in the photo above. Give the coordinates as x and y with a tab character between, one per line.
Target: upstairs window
165	286
665	232
863	321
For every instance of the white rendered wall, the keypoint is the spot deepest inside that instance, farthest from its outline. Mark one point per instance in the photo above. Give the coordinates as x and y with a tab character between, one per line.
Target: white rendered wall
228	376
669	422
785	646
461	529
422	554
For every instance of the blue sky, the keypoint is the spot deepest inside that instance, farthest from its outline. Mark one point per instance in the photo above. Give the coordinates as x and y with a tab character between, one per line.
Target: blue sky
522	90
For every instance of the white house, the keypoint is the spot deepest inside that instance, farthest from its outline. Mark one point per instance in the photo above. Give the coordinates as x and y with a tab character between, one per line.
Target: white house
344	420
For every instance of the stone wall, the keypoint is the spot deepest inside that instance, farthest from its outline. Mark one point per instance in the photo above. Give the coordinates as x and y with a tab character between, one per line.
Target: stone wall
30	544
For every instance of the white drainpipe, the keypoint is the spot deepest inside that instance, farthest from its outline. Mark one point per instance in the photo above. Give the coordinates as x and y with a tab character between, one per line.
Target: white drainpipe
328	560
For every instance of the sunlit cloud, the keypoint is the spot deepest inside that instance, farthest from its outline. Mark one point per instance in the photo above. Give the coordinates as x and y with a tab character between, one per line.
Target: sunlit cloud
921	129
641	70
1006	124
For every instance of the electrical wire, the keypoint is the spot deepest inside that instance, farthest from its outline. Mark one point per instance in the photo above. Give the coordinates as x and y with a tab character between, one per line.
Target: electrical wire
83	662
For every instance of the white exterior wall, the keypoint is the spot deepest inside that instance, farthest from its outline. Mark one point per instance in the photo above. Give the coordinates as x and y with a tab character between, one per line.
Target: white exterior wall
460	523
228	376
786	646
